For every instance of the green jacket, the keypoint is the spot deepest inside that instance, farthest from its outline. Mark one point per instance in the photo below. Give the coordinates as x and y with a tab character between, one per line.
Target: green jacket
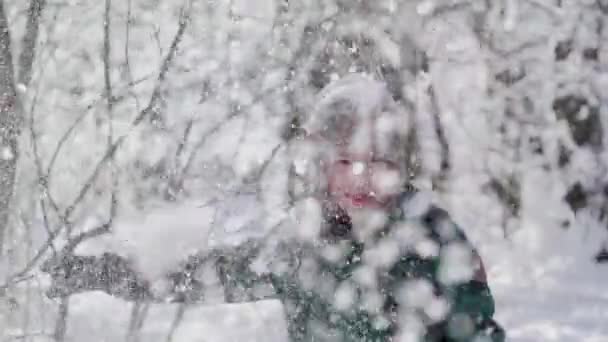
365	292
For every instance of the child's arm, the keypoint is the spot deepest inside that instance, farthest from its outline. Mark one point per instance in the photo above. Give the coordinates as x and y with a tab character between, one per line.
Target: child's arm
228	269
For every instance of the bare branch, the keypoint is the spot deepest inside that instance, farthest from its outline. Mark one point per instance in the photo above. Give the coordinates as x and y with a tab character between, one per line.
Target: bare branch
177	320
61	322
42	177
26	58
184	140
444	166
32	262
178	183
75	241
138	119
72	128
139	311
127	56
62	141
106	61
109	107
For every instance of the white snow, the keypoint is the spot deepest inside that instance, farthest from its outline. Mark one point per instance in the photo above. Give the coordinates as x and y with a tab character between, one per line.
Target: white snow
346	296
358	168
551	293
159	242
97	316
6	153
233	56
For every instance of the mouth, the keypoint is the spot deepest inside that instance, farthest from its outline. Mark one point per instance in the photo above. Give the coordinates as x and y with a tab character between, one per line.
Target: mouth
361	200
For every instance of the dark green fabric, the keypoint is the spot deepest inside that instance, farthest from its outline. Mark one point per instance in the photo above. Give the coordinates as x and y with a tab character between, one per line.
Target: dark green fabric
472	304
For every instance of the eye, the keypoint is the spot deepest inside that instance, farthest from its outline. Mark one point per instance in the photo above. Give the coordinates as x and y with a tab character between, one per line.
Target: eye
385	164
344	162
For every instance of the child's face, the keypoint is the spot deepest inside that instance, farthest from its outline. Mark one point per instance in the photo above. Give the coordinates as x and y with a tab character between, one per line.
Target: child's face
361	177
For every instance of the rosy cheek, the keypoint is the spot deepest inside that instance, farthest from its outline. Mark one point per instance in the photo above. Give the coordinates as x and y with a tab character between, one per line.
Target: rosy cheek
339	179
336	181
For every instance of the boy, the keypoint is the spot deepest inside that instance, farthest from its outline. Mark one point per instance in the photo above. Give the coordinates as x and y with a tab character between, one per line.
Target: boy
370	259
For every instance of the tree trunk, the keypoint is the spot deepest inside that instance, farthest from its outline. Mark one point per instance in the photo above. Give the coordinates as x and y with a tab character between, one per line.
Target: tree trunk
9	125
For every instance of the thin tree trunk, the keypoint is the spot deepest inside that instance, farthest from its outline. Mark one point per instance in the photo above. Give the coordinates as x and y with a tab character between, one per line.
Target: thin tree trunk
61	322
28	51
10	123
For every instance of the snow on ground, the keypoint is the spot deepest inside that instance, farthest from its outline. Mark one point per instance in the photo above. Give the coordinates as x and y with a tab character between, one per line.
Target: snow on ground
97	316
553	292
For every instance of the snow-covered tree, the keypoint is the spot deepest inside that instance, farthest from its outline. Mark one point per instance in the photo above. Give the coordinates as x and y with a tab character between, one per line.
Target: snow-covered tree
116	109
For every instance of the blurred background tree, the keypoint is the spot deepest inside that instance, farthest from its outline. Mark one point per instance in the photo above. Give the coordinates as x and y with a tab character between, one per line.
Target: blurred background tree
125	106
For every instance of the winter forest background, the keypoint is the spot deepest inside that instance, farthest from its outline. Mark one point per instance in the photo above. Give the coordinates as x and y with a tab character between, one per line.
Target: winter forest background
111	111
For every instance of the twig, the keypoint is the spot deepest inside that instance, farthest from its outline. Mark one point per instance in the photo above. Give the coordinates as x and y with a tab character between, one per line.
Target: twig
180	180
136	321
444	166
109	107
179	317
213	130
127	56
47	227
42	178
72	244
106	66
264	167
72	127
30	265
184	140
100	230
138	119
38	162
75	241
62	141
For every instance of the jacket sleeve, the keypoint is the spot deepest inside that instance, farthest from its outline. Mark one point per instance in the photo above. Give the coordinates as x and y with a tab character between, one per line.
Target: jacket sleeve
471	302
110	273
472	314
228	270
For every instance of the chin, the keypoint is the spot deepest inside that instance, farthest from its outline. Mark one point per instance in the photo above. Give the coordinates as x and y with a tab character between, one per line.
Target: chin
348	205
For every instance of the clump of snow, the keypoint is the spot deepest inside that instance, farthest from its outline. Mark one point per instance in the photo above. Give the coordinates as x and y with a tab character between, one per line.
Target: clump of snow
309	218
416	293
415	327
366	276
157	243
383	254
427	248
6	153
346	296
437	309
385	180
426	7
358	168
456	264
